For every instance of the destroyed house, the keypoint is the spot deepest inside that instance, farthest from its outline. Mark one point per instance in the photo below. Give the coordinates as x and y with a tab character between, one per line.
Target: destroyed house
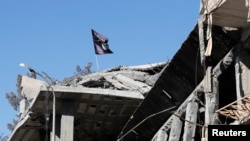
205	83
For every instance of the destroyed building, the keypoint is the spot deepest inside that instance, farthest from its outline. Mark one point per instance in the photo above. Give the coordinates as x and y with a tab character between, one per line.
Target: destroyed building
88	107
205	83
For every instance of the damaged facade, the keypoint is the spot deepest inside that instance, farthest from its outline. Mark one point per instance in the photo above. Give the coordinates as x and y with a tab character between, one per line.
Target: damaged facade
87	107
205	83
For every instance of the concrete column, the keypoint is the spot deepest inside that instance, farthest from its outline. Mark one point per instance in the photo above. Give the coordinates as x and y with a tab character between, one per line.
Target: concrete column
67	121
191	118
162	135
22	106
212	104
176	128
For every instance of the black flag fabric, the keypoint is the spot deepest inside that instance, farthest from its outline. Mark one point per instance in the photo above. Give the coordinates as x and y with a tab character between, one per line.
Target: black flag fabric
100	43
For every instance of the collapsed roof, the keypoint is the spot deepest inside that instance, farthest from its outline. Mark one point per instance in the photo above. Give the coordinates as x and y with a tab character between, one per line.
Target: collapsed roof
103	101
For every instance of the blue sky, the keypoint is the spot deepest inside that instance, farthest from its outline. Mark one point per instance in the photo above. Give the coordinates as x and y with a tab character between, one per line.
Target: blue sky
55	36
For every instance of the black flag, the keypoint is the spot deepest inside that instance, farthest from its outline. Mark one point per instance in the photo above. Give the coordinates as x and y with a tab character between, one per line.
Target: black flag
100	43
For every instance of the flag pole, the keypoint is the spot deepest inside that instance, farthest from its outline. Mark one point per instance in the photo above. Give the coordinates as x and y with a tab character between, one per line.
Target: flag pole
97	65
